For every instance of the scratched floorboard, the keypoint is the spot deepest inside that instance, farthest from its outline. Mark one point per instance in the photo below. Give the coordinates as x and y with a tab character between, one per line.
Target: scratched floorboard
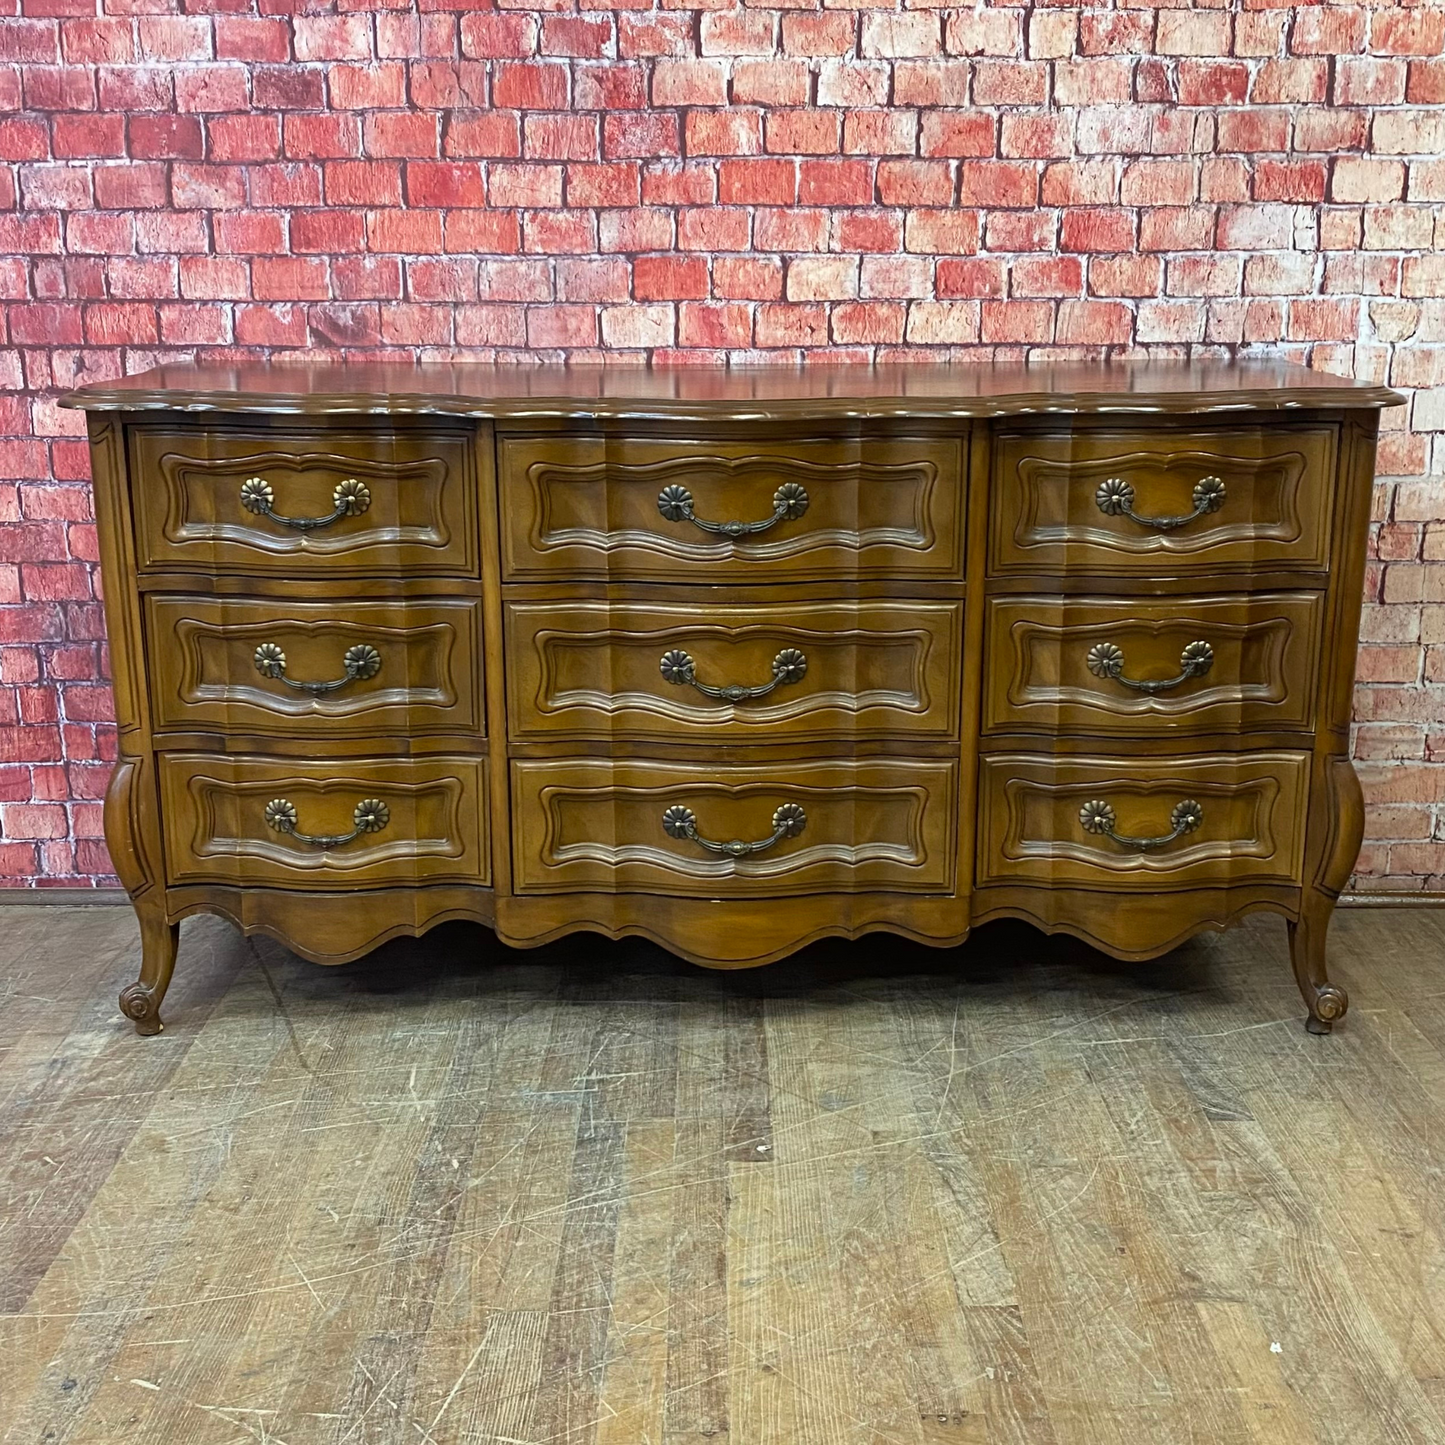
1015	1194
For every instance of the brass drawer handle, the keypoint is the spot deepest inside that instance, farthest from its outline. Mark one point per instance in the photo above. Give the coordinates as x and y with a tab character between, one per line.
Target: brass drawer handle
350	499
788	666
360	662
1106	660
681	822
370	815
790	501
1115	498
1098	817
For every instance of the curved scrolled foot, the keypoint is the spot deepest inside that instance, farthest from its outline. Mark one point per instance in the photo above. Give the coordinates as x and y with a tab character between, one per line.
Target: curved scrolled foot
1326	1006
1326	1001
141	1001
143	1006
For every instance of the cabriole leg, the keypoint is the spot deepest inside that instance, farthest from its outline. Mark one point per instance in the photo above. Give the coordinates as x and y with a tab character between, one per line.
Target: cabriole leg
141	1001
1326	1001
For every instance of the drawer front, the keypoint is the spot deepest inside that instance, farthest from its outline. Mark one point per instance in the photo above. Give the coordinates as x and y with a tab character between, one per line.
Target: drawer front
834	826
1152	669
351	823
813	670
1184	822
325	669
305	502
1162	501
620	507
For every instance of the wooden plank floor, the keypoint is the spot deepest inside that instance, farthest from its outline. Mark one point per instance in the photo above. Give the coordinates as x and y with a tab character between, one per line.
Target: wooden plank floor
1011	1193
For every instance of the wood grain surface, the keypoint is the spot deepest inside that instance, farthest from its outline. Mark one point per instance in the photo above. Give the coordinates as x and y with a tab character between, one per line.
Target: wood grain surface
877	1194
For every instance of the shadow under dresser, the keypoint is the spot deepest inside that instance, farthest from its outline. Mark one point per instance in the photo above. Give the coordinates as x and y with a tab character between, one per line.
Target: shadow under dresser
734	660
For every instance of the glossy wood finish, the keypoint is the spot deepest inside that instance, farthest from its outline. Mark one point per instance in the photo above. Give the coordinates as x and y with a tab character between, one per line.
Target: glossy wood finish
595	669
1271	495
905	613
427	661
1251	811
1053	665
419	495
433	829
593	506
1017	1185
864	825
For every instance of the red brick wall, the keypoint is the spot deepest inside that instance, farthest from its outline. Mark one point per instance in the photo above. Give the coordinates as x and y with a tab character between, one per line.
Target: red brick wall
714	181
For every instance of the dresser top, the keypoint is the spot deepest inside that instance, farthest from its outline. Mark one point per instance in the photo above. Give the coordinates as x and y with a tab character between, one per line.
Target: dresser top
763	392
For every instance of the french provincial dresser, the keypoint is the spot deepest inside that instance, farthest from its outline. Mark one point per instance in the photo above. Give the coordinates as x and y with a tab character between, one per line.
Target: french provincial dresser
733	659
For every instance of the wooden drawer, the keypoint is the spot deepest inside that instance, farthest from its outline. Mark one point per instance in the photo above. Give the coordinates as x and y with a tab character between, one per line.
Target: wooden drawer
1235	819
382	499
632	507
1150	669
324	669
888	825
225	820
593	669
1094	500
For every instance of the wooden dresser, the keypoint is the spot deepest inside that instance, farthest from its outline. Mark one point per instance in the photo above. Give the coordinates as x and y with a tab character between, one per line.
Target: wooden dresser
733	659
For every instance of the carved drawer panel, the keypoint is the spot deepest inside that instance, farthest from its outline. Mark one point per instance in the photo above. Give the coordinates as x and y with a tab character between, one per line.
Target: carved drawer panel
706	671
632	507
734	831
1152	669
304	502
352	823
1140	501
327	669
1143	823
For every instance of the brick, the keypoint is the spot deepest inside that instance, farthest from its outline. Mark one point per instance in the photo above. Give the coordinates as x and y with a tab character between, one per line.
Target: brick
822	278
932	323
1093	323
638	326
640	136
998	183
1097	229
898	34
941	232
444	184
1291	82
669	278
1354	178
211	88
785	324
853	83
494	36
748	278
916	183
983	32
956	133
819	34
165	137
1369	82
714	228
689	82
770	82
518	85
738	32
579	36
714	324
880	132
1210	82
723	133
803	132
1047	276
999	82
758	182
495	134
835	182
